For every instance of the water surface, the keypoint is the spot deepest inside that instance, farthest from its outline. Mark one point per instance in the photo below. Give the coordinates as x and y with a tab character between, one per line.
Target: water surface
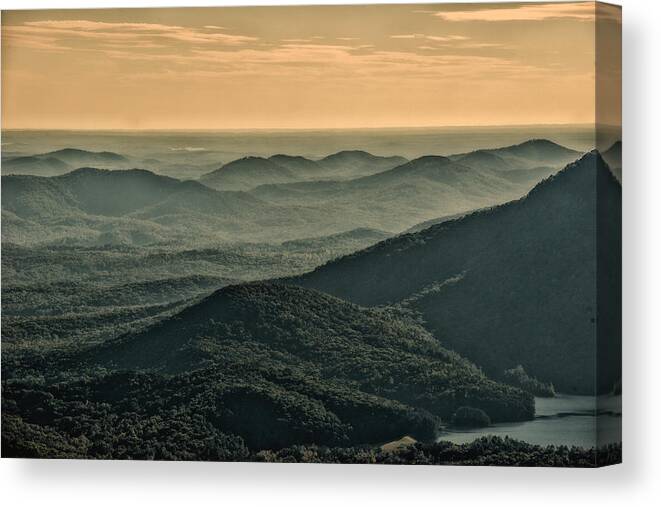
563	420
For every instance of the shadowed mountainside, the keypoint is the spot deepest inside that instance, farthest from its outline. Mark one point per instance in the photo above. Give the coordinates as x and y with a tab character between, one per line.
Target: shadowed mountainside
320	336
316	369
613	157
511	285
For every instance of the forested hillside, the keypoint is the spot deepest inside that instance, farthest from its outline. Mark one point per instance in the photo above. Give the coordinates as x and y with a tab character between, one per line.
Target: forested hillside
316	370
511	285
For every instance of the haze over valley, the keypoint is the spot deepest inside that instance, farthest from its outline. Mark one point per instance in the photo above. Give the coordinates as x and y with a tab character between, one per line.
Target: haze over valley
113	266
101	198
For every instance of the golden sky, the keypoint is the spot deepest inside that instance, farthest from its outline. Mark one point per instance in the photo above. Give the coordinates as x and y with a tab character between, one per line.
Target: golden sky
299	67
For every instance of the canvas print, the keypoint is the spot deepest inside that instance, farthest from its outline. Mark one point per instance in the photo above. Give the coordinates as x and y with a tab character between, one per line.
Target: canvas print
359	234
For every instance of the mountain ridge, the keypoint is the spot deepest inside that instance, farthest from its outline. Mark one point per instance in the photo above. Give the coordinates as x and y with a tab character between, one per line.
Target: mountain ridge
525	155
55	163
457	275
249	172
328	337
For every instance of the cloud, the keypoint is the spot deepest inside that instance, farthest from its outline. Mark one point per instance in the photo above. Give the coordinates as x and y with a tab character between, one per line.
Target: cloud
445	42
85	25
333	63
436	38
60	35
176	53
523	12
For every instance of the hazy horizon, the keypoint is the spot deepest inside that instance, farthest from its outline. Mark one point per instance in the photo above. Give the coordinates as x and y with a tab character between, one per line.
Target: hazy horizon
216	146
311	129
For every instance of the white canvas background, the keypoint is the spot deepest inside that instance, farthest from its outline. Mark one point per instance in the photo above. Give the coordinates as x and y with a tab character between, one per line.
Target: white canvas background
636	482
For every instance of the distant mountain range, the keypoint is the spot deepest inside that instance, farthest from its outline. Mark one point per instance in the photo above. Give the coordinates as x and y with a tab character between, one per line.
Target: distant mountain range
181	165
78	158
356	164
515	284
241	174
62	161
132	206
91	206
250	172
427	187
526	155
43	165
88	190
137	207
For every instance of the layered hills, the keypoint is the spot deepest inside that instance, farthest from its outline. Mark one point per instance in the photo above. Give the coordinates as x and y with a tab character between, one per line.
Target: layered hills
250	172
527	155
92	206
98	206
515	284
427	187
387	341
400	197
62	161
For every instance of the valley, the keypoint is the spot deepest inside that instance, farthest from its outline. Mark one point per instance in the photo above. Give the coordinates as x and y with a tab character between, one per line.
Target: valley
345	298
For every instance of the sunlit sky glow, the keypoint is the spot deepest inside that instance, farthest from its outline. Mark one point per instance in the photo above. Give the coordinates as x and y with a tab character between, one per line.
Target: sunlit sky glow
299	67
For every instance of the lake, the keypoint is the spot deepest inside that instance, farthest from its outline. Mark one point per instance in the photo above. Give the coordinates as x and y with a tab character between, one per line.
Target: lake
563	420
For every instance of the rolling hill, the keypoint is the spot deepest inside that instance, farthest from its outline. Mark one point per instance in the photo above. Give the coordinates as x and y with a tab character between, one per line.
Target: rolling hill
42	166
82	158
359	367
514	284
299	165
62	161
315	369
399	198
537	152
88	190
91	206
530	154
483	159
350	164
250	172
246	173
99	206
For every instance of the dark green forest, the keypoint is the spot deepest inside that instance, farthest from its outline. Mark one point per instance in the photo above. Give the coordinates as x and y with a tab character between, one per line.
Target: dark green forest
316	370
135	327
510	285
